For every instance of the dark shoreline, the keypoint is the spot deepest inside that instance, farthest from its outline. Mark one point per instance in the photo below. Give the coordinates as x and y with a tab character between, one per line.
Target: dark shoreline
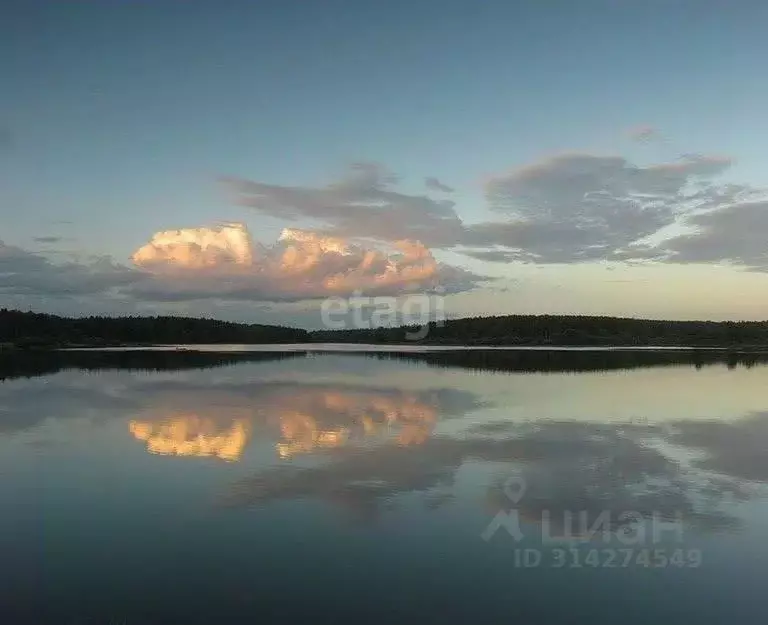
26	331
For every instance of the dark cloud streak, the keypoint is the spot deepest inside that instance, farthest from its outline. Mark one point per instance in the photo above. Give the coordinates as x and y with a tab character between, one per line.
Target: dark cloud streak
433	184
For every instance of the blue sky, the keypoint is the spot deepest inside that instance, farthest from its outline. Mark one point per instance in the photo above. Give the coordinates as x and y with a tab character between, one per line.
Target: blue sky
120	118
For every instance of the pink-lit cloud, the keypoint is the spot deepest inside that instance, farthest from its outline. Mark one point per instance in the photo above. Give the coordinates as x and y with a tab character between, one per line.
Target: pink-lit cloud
362	234
226	263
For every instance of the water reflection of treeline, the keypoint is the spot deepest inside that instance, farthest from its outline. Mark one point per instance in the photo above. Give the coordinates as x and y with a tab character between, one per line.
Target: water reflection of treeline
554	361
22	363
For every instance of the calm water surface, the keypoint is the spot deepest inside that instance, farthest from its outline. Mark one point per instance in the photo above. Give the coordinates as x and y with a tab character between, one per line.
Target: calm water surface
352	488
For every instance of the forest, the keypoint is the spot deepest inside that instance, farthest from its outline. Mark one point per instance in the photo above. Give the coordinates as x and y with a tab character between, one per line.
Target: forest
30	330
543	330
27	329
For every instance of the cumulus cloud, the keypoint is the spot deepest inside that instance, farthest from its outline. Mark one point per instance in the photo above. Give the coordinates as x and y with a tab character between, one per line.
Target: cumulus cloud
224	262
433	184
361	234
195	248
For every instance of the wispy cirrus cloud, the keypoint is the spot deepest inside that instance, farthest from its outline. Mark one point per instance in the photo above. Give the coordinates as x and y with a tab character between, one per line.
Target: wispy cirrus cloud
643	133
433	184
362	204
579	207
734	234
26	273
362	233
567	209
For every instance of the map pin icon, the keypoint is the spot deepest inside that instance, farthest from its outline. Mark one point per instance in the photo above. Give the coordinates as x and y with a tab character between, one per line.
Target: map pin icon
514	489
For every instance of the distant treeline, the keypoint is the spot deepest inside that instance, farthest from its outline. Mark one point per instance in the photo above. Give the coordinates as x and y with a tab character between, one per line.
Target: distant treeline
527	330
27	329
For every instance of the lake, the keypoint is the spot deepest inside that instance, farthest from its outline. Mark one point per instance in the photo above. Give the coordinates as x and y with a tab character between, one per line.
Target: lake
447	486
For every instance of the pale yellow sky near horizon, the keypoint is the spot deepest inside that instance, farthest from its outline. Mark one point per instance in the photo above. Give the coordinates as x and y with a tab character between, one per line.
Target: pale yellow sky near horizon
661	291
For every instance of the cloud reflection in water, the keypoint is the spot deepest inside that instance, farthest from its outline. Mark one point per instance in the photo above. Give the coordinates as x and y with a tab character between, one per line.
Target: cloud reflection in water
302	418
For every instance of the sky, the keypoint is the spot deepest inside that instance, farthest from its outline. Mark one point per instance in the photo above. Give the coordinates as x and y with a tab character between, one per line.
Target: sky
250	160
